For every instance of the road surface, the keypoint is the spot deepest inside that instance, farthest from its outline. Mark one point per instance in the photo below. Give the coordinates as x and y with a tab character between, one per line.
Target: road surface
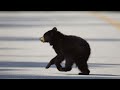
23	56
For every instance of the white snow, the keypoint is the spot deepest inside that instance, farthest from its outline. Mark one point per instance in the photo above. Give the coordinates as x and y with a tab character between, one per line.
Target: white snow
23	56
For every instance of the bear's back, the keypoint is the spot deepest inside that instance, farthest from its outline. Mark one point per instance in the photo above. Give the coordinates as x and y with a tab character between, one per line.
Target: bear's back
75	40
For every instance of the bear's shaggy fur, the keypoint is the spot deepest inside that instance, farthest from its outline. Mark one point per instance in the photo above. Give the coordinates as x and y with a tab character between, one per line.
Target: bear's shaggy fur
70	48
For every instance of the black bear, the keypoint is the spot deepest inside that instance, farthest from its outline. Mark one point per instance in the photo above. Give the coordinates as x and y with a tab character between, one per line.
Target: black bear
70	48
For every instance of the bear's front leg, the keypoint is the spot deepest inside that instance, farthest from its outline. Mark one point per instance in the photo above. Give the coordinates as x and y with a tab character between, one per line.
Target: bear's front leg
56	60
51	62
68	65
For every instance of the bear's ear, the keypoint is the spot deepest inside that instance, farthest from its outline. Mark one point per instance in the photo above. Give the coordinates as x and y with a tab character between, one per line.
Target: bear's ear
54	29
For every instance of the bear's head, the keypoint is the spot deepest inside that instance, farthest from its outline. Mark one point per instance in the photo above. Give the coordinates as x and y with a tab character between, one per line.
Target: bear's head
51	36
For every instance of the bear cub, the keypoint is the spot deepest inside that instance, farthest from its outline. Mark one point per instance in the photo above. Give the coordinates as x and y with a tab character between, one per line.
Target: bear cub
70	48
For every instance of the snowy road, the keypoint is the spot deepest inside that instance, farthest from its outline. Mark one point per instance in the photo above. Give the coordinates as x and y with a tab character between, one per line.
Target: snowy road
23	56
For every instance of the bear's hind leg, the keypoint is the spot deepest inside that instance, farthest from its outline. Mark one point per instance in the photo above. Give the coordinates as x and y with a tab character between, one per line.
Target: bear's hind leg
83	67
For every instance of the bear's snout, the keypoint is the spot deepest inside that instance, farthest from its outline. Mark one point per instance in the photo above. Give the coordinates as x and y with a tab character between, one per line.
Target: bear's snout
42	39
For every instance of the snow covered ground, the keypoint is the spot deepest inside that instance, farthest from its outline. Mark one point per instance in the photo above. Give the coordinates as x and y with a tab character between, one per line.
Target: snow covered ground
23	56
